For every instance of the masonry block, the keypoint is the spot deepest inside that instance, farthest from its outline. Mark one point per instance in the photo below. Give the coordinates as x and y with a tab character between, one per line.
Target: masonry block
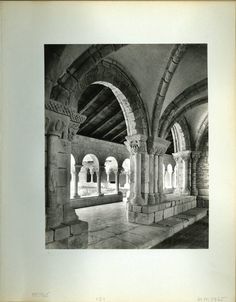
62	195
49	236
159	216
161	206
137	208
59	244
168	212
62	177
78	228
145	218
62	233
132	216
168	204
78	241
63	160
150	209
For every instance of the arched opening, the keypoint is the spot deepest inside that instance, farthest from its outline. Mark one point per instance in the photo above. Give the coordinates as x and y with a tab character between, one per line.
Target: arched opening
178	137
125	179
111	169
87	185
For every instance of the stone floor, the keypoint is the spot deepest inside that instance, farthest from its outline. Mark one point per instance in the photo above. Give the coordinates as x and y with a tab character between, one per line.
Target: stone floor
109	229
194	236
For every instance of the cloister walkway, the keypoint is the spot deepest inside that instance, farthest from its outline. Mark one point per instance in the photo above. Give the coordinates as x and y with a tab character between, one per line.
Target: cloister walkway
109	228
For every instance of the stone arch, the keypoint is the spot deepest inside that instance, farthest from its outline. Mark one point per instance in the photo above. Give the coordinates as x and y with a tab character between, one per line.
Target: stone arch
181	135
87	185
167	124
175	57
178	138
61	80
201	132
180	102
110	74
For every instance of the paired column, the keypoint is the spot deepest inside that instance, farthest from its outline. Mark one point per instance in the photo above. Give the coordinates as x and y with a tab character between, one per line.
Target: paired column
194	159
157	147
136	145
151	195
182	172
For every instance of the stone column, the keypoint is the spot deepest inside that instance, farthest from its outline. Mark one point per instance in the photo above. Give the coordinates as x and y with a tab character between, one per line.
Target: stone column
55	125
186	157
156	171
98	173
151	196
61	125
77	170
54	210
178	160
172	178
136	145
194	158
126	178
158	148
182	160
108	176
91	171
117	180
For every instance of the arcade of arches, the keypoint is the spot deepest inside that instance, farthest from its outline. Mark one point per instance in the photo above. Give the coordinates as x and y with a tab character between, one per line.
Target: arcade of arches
124	125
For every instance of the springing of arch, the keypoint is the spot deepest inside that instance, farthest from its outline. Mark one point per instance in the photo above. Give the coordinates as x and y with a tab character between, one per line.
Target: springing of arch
111	75
181	135
67	82
202	131
178	138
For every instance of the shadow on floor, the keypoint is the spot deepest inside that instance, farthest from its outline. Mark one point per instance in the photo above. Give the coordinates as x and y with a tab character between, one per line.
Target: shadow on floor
193	237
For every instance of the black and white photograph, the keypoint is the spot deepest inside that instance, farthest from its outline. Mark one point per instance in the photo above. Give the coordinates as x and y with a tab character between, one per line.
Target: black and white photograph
126	146
117	151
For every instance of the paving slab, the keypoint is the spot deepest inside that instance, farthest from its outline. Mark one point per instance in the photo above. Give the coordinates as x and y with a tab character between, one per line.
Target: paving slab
109	228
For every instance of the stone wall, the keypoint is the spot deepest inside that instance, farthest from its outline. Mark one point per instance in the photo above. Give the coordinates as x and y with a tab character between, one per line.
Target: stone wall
203	178
154	213
67	231
83	145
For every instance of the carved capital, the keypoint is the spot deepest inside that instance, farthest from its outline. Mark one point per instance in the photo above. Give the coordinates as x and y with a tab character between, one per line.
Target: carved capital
181	156
195	156
61	120
158	146
56	124
136	143
185	155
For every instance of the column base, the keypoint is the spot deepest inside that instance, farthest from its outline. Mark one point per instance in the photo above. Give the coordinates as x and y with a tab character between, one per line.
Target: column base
194	192
76	196
185	192
151	198
157	198
137	200
69	214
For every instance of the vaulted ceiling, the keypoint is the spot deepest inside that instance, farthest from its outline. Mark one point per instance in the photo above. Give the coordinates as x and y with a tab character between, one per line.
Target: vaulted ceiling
105	119
145	64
